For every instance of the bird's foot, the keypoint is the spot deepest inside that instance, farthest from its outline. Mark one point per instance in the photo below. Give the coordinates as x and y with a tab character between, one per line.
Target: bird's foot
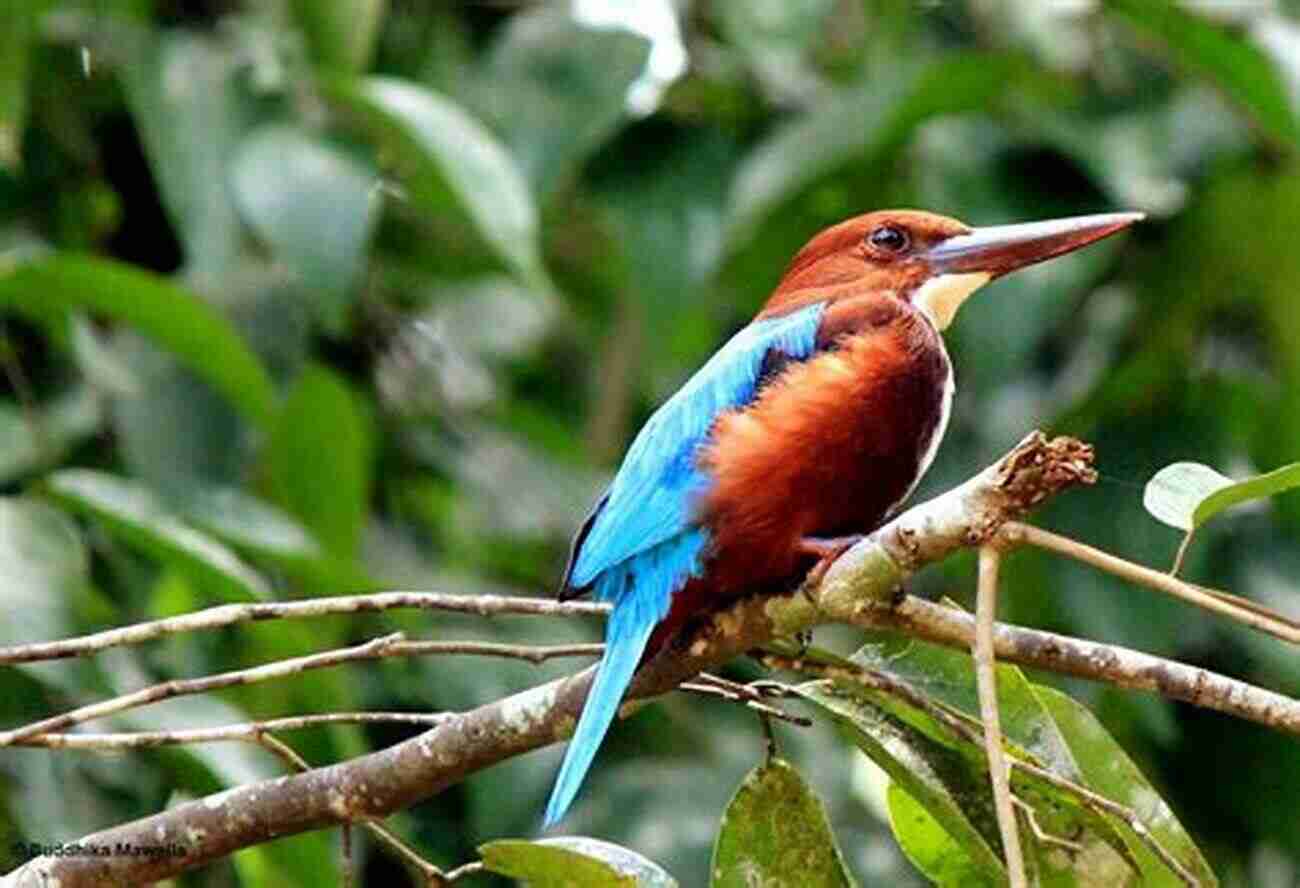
827	549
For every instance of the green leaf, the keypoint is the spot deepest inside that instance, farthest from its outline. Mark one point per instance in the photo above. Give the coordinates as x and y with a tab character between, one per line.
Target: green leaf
1107	770
940	779
247	521
928	845
1175	494
1239	68
341	33
195	333
442	358
1057	732
17	27
132	512
1268	484
780	27
556	91
946	775
30	441
863	126
314	206
1187	495
318	460
775	832
573	862
187	100
42	564
946	676
441	149
776	38
173	431
666	206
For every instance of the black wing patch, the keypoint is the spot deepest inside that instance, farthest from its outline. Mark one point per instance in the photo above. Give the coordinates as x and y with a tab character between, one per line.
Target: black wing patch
567	592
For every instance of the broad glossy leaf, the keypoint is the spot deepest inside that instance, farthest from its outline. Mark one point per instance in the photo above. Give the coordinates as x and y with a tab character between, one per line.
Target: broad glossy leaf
1239	68
556	91
1175	493
1108	770
1268	484
944	782
318	460
946	776
341	33
169	314
928	845
440	148
573	862
131	511
775	832
313	204
946	676
1187	495
1045	723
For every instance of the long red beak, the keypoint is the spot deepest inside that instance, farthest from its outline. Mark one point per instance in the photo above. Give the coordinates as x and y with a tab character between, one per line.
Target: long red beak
999	249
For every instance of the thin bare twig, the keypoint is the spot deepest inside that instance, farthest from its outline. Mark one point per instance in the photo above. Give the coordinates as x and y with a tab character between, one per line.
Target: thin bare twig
460	872
178	687
117	741
1099	802
534	654
1181	553
765	710
1042	835
394	645
987	688
347	876
1240	609
231	614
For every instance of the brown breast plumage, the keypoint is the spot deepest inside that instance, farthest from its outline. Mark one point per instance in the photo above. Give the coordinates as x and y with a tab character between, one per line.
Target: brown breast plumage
829	447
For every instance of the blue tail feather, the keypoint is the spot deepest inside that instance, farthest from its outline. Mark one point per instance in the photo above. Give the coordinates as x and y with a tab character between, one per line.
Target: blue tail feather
642	589
624	643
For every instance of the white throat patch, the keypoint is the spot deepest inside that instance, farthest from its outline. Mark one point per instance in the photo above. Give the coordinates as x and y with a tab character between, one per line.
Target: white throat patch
941	296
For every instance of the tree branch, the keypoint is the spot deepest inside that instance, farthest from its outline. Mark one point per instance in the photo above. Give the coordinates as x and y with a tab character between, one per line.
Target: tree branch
231	614
986	681
394	645
861	587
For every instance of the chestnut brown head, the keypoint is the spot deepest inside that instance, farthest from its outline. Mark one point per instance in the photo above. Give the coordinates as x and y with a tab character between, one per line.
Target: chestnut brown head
934	262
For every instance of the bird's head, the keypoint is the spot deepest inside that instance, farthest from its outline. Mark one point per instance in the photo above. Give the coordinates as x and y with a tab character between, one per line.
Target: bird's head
932	261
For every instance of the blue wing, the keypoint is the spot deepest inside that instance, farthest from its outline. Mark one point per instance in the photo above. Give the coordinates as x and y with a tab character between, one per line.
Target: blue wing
649	501
640	544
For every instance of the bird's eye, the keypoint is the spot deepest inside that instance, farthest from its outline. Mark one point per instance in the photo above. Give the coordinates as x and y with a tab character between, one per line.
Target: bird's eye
889	238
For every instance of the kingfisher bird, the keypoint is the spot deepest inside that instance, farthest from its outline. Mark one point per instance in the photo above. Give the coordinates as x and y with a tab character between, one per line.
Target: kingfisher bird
809	428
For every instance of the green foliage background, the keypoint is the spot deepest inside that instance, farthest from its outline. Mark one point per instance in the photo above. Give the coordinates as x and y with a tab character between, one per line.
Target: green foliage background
309	297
